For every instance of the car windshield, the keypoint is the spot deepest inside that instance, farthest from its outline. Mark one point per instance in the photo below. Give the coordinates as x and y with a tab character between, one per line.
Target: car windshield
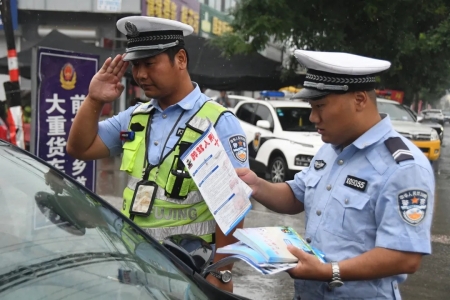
59	241
295	118
396	112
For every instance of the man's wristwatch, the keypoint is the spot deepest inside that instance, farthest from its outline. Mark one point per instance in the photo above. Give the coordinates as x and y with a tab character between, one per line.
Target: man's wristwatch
224	276
336	280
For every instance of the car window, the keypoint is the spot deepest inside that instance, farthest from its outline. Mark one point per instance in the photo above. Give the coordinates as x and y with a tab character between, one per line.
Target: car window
295	118
246	112
58	241
411	112
263	113
396	112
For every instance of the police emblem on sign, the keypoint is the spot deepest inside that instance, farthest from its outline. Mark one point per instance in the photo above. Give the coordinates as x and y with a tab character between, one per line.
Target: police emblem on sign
412	205
319	164
238	145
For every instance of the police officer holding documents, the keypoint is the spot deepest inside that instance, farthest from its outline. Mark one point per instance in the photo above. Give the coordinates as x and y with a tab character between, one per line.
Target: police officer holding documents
368	194
160	196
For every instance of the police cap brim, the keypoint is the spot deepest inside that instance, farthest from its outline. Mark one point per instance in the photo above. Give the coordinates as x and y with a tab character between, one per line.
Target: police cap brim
310	94
135	55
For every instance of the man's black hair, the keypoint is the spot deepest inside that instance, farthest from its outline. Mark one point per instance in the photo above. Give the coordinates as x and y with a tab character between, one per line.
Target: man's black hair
171	52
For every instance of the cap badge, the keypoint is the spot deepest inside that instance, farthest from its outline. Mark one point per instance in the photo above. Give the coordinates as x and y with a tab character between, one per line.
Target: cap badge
131	29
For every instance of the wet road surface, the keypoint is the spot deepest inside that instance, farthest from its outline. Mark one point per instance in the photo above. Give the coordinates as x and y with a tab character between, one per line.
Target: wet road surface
430	282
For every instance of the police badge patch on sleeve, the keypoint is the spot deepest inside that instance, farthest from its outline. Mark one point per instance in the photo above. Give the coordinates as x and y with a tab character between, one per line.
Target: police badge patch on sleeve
238	145
319	164
412	205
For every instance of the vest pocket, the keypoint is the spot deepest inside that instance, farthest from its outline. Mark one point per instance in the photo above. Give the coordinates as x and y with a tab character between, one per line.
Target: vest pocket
130	151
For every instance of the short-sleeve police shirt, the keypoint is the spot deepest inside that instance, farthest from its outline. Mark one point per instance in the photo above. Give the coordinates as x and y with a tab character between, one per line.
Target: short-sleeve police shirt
228	129
361	198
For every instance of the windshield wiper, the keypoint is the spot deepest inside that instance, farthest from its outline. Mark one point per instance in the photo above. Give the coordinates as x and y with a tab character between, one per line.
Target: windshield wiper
26	273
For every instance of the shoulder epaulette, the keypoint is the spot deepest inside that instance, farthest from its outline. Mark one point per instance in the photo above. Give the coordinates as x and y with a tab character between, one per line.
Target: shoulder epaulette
143	108
398	149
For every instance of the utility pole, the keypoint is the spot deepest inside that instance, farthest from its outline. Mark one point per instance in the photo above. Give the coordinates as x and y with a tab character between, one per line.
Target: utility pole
12	87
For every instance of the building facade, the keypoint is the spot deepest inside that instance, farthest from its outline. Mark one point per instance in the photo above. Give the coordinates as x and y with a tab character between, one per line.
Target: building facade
94	21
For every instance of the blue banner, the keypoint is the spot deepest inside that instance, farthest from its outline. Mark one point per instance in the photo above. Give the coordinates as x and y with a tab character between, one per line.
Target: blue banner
63	79
14	17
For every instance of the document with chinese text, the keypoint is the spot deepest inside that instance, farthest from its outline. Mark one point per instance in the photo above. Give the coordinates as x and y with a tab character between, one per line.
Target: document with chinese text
227	196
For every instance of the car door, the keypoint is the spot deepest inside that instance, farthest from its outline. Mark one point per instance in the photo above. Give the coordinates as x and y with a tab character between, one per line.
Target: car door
246	115
257	135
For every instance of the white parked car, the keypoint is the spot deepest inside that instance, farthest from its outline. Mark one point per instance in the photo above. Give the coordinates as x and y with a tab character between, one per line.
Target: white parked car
424	137
434	115
234	100
281	139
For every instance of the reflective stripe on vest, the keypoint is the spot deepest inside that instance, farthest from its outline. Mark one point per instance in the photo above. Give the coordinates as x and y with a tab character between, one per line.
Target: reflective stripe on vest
202	229
192	198
169	215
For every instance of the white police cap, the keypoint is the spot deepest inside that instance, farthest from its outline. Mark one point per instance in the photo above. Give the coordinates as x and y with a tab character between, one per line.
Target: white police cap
150	36
336	72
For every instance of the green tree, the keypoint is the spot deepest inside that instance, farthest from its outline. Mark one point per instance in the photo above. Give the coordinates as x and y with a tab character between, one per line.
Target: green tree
414	35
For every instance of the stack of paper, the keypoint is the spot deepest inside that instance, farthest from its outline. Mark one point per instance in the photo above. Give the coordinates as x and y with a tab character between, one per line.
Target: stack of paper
265	248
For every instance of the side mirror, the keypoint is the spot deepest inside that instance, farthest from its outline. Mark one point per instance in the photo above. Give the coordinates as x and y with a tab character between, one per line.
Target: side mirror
263	124
191	249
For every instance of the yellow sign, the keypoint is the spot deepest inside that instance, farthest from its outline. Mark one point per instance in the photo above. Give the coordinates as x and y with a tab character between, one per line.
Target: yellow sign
219	27
213	21
168	9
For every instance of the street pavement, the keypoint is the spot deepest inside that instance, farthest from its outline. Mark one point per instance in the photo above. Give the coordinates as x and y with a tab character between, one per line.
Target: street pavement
430	282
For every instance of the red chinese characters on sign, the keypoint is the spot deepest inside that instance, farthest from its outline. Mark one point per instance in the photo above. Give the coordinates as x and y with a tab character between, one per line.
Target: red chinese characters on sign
213	139
206	144
194	155
200	149
391	95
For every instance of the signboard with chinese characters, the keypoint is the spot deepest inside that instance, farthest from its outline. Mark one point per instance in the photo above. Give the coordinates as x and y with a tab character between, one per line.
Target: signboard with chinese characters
62	82
185	11
213	22
109	5
14	16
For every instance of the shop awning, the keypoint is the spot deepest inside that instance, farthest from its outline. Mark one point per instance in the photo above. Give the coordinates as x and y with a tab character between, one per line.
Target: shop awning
207	66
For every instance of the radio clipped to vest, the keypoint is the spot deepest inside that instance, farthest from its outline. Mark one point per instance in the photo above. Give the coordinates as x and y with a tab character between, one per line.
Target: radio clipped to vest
179	180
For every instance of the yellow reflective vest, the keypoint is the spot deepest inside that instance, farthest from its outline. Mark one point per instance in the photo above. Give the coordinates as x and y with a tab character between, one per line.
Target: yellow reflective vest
178	206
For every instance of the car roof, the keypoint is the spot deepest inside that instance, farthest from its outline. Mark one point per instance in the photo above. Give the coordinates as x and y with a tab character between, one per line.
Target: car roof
281	103
387	101
239	97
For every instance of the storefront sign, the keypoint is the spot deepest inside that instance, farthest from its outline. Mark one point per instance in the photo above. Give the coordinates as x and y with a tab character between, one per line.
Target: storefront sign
109	5
185	11
63	79
213	22
13	5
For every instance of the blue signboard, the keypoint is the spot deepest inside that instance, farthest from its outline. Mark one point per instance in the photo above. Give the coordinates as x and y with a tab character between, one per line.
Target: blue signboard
14	17
63	79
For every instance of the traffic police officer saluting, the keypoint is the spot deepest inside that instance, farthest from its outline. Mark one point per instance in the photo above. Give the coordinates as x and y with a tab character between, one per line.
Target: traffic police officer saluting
368	194
153	136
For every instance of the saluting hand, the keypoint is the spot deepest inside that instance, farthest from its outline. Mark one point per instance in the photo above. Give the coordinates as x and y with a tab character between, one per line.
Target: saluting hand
105	86
309	267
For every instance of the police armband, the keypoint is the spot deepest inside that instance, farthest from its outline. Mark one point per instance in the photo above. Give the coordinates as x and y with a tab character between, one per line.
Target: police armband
143	198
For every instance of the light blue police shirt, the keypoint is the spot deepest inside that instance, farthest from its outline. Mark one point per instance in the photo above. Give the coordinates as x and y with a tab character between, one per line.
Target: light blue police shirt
227	128
361	198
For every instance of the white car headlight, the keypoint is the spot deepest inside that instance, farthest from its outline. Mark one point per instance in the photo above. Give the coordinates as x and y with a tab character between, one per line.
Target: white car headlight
434	135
